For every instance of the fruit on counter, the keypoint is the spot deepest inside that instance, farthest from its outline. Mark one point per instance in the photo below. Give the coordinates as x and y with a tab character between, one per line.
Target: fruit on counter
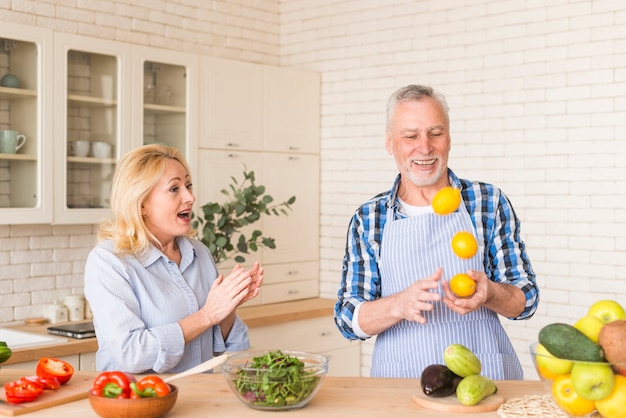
446	200
19	391
607	310
552	364
464	244
5	352
438	381
461	360
568	399
590	326
462	285
566	342
612	339
113	384
593	381
474	388
149	387
613	405
53	367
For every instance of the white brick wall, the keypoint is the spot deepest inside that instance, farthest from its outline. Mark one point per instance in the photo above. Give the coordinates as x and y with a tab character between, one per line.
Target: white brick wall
537	106
536	91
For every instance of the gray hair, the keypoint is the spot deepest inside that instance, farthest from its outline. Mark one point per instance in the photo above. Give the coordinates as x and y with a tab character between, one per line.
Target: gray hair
414	92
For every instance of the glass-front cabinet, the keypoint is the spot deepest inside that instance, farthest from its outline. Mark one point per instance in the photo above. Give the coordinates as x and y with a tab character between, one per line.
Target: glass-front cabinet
92	127
164	93
25	124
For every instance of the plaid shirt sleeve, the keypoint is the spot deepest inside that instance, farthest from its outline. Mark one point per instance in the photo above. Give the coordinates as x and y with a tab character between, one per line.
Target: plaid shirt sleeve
506	260
360	279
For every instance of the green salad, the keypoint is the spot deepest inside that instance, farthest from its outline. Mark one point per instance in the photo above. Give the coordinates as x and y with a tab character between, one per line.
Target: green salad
275	379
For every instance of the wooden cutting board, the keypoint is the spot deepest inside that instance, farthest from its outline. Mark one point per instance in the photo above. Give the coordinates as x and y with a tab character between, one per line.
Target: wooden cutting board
452	404
77	388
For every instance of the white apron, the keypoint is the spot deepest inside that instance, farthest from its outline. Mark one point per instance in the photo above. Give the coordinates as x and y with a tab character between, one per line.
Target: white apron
413	248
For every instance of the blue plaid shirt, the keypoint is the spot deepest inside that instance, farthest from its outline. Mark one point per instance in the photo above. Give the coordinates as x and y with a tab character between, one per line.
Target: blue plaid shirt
505	258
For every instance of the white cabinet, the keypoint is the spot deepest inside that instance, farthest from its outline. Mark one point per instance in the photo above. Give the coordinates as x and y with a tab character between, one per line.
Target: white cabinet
84	362
25	104
316	335
266	119
92	103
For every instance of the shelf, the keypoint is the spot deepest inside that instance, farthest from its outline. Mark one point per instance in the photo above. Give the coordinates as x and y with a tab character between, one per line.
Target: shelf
9	93
18	157
91	101
161	109
89	160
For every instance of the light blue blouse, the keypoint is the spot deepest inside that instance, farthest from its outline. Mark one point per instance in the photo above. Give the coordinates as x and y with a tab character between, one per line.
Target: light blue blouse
136	306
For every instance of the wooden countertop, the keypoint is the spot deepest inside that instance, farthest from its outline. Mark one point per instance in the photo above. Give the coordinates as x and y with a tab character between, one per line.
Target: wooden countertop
253	316
208	394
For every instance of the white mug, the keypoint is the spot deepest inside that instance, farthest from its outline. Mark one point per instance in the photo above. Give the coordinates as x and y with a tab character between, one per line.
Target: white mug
101	149
11	141
79	148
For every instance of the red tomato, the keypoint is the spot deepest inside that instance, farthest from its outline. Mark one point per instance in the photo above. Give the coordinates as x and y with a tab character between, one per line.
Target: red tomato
20	391
52	367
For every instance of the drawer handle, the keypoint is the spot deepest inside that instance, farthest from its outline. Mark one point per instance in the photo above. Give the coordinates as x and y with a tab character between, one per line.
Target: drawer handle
232	144
324	333
233	156
292	292
292	148
292	272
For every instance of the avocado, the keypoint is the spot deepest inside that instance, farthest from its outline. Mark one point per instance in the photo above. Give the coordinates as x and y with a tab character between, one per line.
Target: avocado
566	342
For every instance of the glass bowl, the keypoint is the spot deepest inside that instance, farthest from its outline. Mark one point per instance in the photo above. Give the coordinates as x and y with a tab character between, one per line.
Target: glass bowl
556	375
275	380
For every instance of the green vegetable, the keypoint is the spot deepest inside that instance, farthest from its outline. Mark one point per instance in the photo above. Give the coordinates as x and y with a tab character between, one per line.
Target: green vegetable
473	389
566	342
5	352
461	360
275	379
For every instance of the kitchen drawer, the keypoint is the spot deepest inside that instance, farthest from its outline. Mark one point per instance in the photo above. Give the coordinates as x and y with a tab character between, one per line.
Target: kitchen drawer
290	272
284	292
344	361
314	335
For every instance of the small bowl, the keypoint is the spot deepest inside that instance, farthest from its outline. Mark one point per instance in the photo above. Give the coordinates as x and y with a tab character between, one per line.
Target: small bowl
248	382
131	408
548	376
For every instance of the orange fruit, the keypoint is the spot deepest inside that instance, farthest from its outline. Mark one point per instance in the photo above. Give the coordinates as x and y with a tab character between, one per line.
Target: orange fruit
614	405
568	400
462	285
464	244
446	200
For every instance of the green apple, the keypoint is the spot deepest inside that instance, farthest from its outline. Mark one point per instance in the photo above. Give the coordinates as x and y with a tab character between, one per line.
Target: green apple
607	310
551	363
593	381
590	326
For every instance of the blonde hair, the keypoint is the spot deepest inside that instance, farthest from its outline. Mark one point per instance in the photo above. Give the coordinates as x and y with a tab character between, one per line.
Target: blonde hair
136	174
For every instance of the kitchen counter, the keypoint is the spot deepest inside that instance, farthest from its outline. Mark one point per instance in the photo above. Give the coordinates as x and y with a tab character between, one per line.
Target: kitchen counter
253	316
209	395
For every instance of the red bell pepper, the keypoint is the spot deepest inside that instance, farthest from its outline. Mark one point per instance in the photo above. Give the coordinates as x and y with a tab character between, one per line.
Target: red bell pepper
52	367
21	390
112	384
149	387
47	383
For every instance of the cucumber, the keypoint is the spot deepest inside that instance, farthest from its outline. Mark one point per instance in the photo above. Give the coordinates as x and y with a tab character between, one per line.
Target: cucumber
461	360
566	342
474	388
5	352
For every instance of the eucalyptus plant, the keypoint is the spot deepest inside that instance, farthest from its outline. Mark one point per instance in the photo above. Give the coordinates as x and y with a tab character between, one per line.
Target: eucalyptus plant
220	225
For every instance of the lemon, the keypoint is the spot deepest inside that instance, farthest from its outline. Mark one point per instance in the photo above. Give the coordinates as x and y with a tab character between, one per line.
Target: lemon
446	200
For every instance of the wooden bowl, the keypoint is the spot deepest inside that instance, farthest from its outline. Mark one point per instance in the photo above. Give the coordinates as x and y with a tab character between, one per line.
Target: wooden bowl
132	408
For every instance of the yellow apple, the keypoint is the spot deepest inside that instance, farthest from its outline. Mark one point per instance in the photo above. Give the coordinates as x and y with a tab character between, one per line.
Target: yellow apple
553	364
607	310
590	326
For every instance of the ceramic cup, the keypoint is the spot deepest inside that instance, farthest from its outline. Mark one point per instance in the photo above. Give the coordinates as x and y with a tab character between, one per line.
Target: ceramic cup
11	141
101	149
79	148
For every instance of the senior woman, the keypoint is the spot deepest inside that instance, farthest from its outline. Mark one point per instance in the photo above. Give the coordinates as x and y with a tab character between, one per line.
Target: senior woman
158	302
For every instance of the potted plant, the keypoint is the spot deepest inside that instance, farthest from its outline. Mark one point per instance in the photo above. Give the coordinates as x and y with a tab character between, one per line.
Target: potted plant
219	225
